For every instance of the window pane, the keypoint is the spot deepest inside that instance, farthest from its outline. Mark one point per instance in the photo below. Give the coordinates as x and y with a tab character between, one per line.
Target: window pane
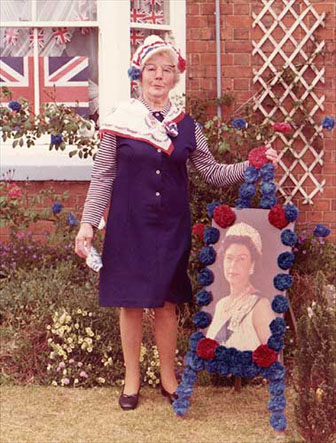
15	10
149	11
72	67
69	10
15	42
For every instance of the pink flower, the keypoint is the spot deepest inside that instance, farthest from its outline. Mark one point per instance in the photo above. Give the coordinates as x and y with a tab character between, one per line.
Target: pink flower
20	235
65	381
83	374
61	365
283	127
71	361
79	364
14	191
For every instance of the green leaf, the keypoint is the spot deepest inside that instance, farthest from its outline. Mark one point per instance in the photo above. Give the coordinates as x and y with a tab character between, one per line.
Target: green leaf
224	146
72	153
21	142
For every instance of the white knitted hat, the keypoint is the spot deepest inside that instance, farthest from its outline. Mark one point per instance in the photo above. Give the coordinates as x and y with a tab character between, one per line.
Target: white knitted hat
152	45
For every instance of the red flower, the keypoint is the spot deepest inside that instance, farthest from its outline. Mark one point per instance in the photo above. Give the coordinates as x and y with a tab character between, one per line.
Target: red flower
14	191
224	216
181	64
257	157
198	230
206	348
283	127
264	356
277	217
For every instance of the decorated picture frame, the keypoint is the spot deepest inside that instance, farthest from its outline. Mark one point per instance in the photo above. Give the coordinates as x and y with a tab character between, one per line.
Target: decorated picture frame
216	347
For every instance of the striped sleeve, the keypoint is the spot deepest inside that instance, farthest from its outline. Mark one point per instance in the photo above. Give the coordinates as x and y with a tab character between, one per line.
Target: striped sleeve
213	173
102	178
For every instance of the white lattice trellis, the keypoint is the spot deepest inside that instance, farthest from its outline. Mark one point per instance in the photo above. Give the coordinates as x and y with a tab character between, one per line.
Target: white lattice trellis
290	22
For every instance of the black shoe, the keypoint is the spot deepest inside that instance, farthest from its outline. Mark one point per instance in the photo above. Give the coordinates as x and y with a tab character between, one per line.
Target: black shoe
128	402
171	397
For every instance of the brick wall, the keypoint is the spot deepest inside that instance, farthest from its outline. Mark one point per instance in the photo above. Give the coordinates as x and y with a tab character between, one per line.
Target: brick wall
237	74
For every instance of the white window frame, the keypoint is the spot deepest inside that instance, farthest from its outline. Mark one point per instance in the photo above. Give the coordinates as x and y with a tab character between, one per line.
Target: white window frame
113	23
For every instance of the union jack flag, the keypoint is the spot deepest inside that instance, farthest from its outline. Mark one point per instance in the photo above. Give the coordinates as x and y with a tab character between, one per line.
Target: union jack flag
153	3
68	74
40	38
62	35
11	36
155	18
138	16
137	37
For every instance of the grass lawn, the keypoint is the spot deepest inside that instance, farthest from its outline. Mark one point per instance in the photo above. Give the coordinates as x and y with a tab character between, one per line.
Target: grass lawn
37	414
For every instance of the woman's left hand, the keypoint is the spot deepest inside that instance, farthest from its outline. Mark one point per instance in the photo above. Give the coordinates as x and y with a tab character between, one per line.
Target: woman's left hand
272	155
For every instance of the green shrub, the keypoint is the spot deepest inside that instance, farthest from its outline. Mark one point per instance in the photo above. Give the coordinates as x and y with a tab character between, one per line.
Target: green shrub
315	367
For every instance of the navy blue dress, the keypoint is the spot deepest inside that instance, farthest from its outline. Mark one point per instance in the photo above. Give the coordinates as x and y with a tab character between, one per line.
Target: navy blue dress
148	232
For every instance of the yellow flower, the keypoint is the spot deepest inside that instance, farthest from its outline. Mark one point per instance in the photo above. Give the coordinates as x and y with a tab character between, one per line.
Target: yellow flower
48	327
89	349
76	325
79	311
76	381
54	383
80	340
101	380
49	367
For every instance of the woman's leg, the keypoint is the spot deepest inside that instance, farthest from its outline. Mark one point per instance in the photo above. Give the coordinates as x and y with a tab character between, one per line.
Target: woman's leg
166	335
131	336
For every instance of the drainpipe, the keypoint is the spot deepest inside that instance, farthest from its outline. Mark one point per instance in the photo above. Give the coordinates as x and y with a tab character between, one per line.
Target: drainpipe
218	58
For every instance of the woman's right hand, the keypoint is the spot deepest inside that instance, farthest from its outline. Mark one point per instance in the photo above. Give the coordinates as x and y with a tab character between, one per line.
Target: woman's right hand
83	240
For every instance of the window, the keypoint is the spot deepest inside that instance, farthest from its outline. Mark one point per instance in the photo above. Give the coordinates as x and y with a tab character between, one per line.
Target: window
82	47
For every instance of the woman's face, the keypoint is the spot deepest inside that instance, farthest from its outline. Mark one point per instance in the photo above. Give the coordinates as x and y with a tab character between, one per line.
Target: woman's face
237	264
158	77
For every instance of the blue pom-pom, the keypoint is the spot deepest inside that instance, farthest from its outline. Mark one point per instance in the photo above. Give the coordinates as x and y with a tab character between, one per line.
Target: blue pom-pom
72	220
252	370
268	201
251	174
189	376
278	326
275	342
291	212
211	235
220	352
223	368
239	123
267	188
205	277
282	281
267	172
321	231
280	304
277	403
276	387
184	390
242	203
289	237
134	73
194	339
202	319
278	421
275	372
181	405
194	361
56	139
203	298
247	190
211	207
286	260
57	207
211	366
14	105
207	255
328	123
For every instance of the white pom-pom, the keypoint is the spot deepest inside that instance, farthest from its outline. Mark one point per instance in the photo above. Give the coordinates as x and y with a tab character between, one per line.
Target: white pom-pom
152	39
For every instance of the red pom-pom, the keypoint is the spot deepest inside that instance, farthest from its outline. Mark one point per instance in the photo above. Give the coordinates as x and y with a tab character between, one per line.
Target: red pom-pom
264	356
277	217
224	216
257	157
206	348
283	127
198	230
181	64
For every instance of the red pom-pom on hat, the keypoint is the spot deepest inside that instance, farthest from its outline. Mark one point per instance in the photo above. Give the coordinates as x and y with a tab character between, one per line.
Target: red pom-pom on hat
277	217
198	230
264	356
181	64
206	348
257	157
224	216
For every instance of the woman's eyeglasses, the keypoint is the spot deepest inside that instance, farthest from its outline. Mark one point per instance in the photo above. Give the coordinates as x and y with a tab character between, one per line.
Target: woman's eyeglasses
166	69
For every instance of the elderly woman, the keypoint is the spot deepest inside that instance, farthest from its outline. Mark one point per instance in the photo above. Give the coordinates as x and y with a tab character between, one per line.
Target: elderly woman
140	169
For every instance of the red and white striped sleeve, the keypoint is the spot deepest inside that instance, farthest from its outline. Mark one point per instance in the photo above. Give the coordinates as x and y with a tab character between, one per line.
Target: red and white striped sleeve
216	174
103	174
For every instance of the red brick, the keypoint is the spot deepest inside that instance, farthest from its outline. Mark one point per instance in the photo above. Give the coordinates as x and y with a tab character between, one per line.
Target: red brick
234	21
241	34
241	83
242	59
239	46
241	9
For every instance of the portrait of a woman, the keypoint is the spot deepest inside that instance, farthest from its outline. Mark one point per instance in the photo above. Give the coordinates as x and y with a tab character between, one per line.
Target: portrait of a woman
242	316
